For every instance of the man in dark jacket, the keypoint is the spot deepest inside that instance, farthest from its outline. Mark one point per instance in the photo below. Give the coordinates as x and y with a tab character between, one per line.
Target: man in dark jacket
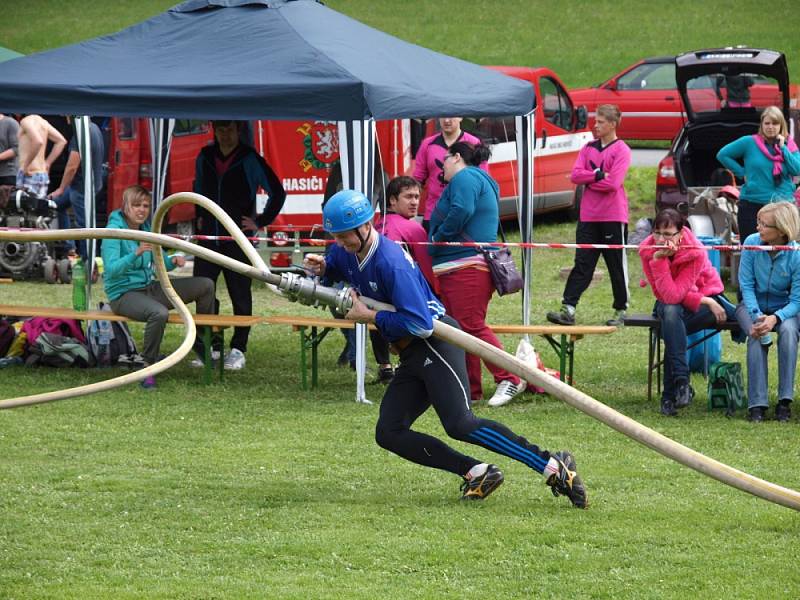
230	173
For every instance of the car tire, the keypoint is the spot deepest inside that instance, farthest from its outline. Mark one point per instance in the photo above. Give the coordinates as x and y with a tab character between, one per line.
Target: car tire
50	271
65	270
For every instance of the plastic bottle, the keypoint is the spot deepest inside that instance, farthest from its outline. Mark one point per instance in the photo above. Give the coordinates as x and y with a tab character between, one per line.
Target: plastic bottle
78	286
765	339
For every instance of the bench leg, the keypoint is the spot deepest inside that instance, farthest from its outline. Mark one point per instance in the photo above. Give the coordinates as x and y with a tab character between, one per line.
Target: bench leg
314	361
568	346
207	366
303	376
222	354
561	350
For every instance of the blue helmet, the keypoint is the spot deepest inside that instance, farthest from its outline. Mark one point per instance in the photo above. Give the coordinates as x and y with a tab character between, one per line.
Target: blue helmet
346	210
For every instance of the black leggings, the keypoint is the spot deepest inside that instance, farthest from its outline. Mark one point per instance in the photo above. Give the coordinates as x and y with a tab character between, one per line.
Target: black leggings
433	373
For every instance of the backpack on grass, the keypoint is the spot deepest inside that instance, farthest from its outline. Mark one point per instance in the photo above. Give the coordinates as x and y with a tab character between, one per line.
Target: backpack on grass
726	387
110	342
55	350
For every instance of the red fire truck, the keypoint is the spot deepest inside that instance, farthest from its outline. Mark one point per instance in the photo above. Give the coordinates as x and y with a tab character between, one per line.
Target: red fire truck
305	156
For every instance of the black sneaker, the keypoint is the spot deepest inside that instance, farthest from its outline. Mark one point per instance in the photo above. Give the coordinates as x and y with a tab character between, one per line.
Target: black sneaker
684	395
478	488
668	408
385	374
567	482
756	414
783	411
562	317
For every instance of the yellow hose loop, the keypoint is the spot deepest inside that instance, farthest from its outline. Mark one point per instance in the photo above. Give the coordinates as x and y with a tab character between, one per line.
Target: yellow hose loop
634	430
258	271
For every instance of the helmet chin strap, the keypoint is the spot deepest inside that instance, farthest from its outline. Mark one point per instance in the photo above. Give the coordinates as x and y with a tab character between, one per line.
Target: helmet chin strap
362	239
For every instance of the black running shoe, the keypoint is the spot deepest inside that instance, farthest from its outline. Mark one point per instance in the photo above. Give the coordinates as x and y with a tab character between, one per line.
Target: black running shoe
684	395
567	482
478	488
562	317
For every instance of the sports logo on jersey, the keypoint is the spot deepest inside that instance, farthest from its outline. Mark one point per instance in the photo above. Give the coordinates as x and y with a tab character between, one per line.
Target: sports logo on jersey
427	362
373	286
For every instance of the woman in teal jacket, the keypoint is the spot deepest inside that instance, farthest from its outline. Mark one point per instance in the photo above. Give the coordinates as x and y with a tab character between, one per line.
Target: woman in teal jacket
767	161
770	285
129	281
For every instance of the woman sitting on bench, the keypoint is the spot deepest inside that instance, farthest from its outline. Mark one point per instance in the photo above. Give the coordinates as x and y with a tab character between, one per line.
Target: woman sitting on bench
689	298
129	283
770	284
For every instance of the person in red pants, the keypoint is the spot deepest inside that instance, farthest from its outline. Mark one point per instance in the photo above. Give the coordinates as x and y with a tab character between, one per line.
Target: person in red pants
468	211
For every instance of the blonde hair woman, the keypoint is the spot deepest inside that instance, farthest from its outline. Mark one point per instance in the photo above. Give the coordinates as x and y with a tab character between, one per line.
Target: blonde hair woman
770	284
767	161
130	284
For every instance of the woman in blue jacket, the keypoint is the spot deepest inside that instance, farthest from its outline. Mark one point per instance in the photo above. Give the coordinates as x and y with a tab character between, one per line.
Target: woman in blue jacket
770	286
129	283
767	161
468	211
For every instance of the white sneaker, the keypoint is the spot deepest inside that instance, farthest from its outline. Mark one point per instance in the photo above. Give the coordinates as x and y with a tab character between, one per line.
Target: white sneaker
506	391
235	360
197	363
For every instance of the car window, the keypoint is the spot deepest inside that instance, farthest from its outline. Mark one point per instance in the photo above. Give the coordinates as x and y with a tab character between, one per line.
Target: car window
733	93
556	104
492	130
189	127
648	76
127	128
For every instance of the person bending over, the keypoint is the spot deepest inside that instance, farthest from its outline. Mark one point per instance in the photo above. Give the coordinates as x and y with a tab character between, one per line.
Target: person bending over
432	372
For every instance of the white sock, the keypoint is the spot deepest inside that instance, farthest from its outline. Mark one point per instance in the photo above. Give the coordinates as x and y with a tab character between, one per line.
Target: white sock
551	468
477	471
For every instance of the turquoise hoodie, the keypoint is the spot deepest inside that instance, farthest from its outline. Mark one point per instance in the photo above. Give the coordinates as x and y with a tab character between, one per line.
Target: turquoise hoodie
770	284
123	270
467	211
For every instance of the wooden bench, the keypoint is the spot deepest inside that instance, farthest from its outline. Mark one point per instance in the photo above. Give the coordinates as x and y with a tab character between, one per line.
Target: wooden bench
564	346
655	363
212	324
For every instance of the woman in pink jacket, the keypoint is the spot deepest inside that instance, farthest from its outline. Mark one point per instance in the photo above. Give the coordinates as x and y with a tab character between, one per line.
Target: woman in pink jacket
688	294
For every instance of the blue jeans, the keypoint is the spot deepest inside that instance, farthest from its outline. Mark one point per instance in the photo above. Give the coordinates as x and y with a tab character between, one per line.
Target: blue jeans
757	354
74	198
676	323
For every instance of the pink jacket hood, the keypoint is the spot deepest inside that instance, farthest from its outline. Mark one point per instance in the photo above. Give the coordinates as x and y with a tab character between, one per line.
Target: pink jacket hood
684	279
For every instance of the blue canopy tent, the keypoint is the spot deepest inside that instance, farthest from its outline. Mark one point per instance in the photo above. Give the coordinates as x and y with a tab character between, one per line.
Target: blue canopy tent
269	59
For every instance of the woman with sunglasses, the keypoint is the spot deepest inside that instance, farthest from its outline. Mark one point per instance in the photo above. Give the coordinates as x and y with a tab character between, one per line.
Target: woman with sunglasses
770	284
689	298
468	211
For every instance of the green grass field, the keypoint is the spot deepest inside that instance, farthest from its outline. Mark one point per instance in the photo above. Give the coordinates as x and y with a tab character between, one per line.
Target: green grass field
252	488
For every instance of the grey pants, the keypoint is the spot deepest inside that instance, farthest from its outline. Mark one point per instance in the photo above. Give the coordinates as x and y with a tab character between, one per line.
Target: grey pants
151	306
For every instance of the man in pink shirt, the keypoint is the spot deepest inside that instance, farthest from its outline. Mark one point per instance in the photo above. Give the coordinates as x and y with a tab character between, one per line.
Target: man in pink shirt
601	167
399	223
429	158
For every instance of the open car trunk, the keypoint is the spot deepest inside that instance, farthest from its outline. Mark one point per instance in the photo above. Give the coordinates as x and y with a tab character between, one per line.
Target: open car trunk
696	161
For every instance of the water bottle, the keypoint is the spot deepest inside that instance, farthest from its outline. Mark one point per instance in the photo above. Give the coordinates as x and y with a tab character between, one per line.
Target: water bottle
78	286
765	339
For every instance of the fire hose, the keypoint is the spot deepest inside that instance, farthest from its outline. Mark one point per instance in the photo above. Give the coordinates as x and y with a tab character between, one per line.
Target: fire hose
305	290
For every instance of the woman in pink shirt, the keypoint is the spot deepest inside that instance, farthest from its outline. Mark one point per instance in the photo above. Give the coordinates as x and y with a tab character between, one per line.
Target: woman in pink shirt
688	294
429	159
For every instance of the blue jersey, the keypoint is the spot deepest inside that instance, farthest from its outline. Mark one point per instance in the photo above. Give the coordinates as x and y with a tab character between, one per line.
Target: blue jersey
389	274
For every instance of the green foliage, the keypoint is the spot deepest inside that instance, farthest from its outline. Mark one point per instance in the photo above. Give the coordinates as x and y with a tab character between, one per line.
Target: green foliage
584	42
